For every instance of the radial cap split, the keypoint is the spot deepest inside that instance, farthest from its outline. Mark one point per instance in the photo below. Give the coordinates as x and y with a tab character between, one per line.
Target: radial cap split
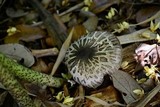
93	56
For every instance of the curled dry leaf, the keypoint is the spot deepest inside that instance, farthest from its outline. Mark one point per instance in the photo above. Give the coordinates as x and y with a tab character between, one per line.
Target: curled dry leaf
147	54
25	33
19	53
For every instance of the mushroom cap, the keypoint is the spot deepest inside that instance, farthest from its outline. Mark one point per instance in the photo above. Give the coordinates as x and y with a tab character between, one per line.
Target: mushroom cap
93	56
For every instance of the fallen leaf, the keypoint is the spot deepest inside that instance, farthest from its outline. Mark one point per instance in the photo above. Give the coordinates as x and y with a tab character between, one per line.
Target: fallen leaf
146	98
145	13
62	52
126	85
40	66
19	53
25	33
100	5
79	30
13	13
37	91
91	23
108	94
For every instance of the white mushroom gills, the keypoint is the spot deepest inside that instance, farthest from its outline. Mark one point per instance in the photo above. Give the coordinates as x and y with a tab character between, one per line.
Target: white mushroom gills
93	56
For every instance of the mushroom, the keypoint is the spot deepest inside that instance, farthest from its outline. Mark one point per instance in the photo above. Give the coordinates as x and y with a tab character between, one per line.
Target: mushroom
93	56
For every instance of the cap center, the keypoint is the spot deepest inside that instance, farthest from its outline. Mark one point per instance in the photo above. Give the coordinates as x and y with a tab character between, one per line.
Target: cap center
85	53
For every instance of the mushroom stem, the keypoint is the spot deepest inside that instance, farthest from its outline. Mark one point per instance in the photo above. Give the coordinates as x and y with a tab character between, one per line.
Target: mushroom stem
45	52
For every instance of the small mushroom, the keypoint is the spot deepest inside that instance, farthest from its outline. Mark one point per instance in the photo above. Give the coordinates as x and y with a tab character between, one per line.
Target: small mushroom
93	56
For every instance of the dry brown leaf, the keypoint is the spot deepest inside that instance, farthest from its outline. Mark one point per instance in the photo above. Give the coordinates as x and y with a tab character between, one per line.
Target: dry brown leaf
100	5
62	52
108	94
126	85
26	33
40	66
128	53
146	13
37	91
79	30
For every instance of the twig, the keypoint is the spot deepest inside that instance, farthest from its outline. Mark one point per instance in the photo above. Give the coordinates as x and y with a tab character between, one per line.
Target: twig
45	52
136	37
72	9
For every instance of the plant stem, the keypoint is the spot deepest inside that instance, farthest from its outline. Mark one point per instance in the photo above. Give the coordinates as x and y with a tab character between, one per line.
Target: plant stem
28	74
14	88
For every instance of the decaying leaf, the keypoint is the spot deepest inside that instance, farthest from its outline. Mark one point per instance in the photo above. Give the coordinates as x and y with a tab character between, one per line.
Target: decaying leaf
146	13
19	53
35	90
146	98
126	85
91	23
108	94
99	6
40	66
79	30
25	33
62	52
15	13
